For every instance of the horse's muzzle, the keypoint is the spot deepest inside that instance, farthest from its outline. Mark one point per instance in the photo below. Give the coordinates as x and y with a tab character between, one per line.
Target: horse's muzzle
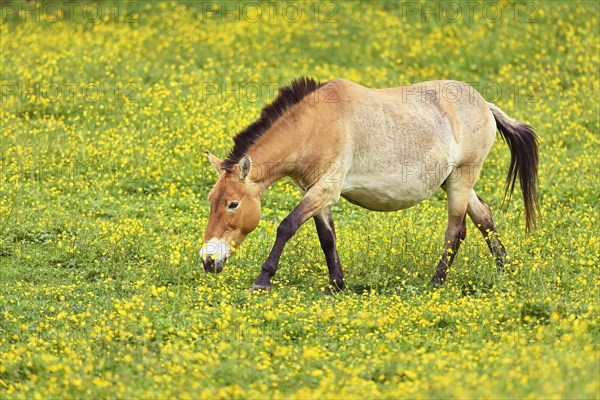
214	254
213	266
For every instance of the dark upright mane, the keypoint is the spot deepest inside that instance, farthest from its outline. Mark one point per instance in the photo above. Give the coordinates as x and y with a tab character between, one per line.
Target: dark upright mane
288	96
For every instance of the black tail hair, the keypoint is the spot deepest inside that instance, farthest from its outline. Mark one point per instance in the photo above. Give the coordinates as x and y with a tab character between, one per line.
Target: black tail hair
523	144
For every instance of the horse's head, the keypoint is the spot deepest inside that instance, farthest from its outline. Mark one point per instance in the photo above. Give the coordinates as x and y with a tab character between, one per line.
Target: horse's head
234	212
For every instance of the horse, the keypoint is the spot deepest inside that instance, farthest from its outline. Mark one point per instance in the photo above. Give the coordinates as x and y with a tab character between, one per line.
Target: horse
382	149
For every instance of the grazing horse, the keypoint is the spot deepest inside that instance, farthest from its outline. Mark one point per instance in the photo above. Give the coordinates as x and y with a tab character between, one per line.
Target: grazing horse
382	149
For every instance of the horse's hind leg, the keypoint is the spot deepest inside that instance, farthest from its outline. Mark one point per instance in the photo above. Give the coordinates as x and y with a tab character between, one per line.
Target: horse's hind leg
456	231
481	215
458	188
326	232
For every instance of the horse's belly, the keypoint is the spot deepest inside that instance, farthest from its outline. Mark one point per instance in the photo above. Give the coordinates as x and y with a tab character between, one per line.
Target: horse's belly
384	192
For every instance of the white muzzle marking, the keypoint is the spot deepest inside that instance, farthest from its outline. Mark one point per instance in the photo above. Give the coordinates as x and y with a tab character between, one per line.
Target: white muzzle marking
214	253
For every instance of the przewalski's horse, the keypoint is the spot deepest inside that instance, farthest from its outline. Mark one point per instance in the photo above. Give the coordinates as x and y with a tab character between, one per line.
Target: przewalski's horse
382	149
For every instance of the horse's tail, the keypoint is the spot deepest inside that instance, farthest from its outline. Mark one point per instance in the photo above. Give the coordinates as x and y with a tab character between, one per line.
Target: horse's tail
522	142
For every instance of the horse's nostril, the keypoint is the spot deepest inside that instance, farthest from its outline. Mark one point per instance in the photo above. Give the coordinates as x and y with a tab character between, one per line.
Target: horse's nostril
208	263
212	265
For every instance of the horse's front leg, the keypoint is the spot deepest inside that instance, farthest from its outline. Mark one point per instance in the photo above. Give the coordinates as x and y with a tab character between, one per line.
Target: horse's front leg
311	204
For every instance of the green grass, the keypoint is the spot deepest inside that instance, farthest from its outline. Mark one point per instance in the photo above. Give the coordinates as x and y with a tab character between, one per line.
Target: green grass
103	205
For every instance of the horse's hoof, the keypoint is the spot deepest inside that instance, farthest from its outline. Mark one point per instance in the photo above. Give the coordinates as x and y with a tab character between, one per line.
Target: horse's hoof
437	281
331	290
504	265
260	287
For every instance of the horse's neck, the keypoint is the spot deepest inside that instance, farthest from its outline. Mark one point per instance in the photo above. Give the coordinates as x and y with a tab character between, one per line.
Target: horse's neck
275	154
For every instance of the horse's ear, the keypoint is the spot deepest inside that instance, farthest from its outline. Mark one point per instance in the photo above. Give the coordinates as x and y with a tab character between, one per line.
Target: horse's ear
245	166
214	161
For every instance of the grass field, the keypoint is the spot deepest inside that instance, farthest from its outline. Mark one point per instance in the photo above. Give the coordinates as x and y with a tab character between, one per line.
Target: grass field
106	109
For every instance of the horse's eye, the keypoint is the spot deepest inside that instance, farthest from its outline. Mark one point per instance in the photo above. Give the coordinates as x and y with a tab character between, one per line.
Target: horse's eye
233	205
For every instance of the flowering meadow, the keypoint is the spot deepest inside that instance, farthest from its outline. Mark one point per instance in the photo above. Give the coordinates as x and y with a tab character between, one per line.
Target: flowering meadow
106	109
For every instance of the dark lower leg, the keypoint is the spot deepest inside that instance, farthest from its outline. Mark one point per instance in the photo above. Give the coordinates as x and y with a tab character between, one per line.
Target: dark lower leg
308	207
455	234
285	231
481	215
326	232
494	244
